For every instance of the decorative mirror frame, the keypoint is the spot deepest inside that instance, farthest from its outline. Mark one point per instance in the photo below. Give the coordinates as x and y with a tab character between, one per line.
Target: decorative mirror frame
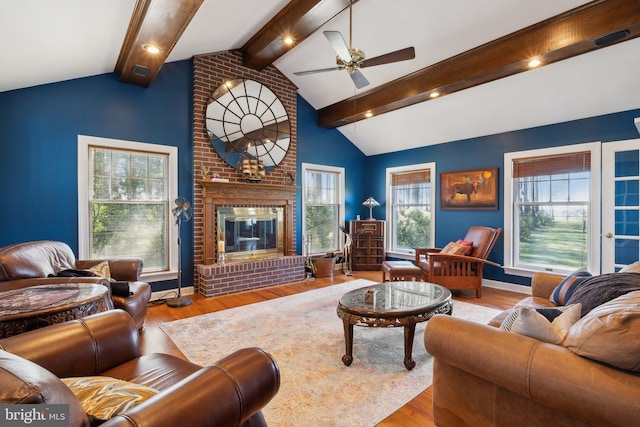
245	120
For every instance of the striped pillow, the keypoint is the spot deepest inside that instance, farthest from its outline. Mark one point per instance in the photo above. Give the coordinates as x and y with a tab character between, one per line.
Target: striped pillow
563	292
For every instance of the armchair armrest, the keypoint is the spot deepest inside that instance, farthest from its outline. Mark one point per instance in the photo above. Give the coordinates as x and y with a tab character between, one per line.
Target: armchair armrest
227	393
442	258
534	370
425	251
121	269
79	347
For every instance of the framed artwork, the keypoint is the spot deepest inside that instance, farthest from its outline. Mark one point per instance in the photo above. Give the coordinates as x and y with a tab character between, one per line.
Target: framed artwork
471	189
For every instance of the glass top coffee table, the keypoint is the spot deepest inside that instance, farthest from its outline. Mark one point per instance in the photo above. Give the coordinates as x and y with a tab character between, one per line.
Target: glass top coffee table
392	304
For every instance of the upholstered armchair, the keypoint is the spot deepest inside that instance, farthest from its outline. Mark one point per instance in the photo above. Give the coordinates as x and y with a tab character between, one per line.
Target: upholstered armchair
37	263
42	366
456	270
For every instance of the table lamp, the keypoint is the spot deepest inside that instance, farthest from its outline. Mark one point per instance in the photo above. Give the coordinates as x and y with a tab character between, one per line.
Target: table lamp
370	203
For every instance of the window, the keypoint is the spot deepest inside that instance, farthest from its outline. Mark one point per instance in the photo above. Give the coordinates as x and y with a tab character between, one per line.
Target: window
322	208
124	194
410	204
552	212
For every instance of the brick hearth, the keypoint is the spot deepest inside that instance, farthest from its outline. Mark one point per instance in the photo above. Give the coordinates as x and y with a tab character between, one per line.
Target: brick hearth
221	279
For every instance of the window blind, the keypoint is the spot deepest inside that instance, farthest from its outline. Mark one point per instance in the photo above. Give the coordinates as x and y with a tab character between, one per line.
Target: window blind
552	165
413	177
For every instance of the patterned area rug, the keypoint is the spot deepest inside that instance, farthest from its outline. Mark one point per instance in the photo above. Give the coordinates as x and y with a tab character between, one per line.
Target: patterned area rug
306	337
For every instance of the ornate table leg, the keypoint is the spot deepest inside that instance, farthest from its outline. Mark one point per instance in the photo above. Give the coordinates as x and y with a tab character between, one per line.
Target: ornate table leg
348	341
409	333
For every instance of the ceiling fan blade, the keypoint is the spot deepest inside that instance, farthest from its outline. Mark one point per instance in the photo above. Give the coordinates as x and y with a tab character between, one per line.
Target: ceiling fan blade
338	44
359	79
321	70
399	55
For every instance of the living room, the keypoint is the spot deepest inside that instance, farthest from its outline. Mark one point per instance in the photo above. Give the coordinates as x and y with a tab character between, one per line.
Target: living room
41	124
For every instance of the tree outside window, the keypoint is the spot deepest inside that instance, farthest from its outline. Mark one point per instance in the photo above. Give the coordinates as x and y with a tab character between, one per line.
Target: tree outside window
323	189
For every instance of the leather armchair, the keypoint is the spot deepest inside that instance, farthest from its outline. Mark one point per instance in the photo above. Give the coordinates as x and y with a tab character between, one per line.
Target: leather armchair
230	392
459	271
31	263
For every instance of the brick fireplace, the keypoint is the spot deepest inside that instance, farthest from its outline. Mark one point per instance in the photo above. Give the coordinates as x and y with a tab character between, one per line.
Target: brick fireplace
211	277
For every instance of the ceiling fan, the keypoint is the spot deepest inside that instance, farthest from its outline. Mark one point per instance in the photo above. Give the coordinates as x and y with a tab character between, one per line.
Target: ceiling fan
352	59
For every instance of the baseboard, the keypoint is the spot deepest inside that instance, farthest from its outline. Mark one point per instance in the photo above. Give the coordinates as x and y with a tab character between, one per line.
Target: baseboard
170	293
522	289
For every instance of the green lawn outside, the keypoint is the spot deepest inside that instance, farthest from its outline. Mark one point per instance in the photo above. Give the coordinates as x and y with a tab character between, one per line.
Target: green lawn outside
561	244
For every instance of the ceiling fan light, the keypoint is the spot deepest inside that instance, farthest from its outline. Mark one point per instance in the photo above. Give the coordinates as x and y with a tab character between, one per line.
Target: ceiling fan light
434	94
368	114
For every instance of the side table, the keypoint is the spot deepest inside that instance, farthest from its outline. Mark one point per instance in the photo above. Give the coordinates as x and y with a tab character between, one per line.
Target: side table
22	310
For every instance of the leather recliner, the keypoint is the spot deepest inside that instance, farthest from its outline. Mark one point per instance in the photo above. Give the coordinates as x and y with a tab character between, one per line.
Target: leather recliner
32	263
231	392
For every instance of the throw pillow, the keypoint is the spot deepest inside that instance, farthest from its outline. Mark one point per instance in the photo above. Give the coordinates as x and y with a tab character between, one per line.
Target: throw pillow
610	333
454	248
563	292
465	243
597	290
102	269
528	321
104	397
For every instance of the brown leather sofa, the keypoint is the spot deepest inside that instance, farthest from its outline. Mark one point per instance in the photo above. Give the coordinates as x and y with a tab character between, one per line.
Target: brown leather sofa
484	376
31	263
231	392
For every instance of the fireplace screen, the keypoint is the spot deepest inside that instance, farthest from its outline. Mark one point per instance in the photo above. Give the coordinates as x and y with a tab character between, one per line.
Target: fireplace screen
250	232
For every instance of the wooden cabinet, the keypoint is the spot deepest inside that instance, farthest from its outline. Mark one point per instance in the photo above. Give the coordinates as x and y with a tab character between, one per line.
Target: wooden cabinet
367	250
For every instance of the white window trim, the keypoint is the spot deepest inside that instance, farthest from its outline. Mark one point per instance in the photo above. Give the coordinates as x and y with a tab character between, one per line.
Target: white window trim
341	192
84	142
594	211
397	169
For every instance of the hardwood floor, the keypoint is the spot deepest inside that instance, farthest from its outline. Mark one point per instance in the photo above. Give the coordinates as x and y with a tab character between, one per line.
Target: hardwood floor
415	413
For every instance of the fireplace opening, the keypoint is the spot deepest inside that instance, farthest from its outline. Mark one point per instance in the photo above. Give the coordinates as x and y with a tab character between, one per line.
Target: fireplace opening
250	232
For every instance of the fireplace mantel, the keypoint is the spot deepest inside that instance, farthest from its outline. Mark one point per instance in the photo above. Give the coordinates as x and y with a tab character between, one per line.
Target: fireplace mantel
239	193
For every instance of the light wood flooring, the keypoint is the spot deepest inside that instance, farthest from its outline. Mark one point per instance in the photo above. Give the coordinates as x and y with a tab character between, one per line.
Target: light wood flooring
415	413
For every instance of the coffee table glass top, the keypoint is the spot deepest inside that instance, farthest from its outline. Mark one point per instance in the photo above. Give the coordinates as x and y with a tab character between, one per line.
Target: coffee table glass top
394	298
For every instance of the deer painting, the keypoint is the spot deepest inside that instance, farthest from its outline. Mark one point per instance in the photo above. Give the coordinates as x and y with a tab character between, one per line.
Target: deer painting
467	188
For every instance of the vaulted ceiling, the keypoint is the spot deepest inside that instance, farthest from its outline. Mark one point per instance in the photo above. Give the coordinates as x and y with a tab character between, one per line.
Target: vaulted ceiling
474	54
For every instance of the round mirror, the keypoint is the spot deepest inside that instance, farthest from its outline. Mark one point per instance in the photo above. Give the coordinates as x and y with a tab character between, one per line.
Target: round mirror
246	120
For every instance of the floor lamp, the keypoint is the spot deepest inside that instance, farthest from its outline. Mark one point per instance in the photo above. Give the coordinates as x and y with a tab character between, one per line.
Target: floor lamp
182	212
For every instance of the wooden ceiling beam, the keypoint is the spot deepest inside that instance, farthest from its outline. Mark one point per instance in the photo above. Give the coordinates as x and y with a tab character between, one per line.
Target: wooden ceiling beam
578	31
154	22
298	19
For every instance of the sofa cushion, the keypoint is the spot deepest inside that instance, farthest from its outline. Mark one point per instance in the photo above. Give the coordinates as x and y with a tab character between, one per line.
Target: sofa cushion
563	292
104	397
610	333
24	382
597	290
530	322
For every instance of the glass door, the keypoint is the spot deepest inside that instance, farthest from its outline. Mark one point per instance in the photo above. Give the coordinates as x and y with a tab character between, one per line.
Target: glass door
620	204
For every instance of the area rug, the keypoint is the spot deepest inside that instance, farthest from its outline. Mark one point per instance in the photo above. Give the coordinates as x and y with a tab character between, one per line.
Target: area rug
306	337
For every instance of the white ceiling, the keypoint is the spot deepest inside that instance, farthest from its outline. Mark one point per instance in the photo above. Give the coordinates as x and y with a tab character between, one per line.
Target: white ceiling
46	41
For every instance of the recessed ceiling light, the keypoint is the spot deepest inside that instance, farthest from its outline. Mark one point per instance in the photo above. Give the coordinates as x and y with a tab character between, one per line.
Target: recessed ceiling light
288	40
151	48
535	62
434	94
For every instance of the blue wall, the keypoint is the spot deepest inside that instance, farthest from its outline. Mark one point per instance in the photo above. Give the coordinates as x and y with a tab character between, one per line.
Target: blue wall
487	152
38	154
39	128
328	147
